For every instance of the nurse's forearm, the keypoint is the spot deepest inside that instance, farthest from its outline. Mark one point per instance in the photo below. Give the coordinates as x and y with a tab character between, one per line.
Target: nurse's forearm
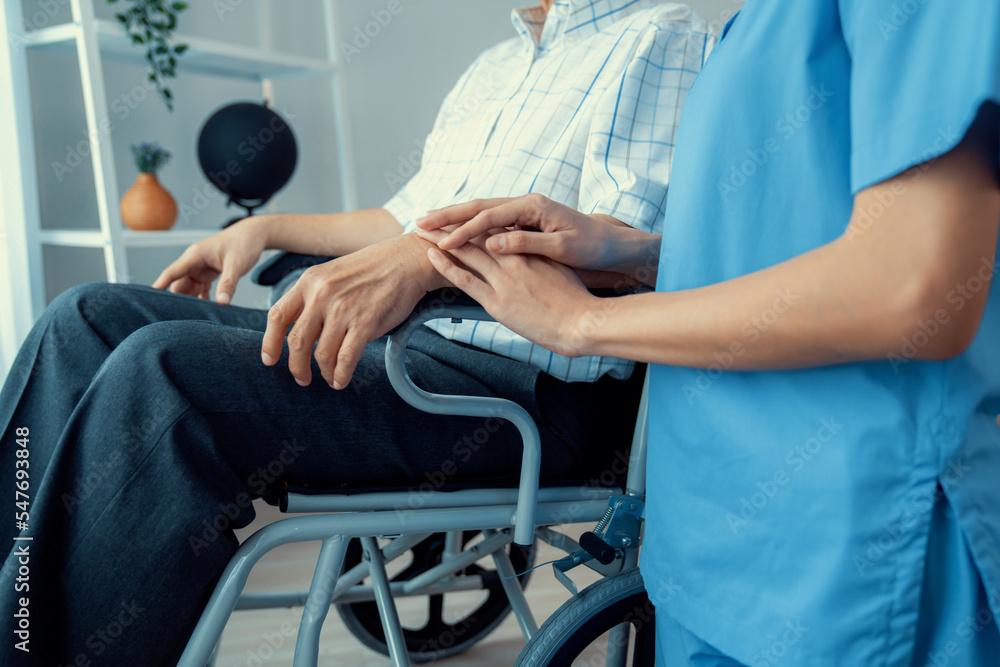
911	284
806	312
332	235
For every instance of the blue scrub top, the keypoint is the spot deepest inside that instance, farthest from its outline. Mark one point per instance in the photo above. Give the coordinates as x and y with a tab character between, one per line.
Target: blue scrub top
792	509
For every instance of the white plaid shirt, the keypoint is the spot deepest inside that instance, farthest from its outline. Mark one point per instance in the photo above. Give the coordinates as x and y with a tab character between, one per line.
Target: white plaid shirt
582	108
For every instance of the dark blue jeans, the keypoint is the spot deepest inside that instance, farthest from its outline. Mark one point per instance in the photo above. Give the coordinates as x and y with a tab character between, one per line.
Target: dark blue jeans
152	424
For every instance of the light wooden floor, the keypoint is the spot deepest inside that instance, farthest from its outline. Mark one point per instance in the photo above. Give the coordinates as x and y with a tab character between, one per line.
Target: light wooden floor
267	637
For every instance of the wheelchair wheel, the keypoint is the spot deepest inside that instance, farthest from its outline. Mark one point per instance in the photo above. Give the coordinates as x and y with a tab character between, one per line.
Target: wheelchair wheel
439	628
579	632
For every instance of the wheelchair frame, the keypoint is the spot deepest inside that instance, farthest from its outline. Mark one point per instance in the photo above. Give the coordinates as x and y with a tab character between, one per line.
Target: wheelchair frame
504	515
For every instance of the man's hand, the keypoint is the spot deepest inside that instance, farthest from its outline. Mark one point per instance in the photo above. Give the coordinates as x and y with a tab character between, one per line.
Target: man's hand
230	254
343	305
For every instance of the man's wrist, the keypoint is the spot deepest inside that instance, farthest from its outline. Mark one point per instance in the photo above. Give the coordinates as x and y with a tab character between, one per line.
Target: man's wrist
637	254
426	275
263	226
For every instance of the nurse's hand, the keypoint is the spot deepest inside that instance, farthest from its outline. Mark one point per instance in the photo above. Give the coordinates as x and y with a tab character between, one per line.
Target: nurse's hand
570	237
542	300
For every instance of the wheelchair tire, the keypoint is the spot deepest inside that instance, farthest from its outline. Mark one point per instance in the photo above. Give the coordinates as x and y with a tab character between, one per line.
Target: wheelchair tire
438	638
584	619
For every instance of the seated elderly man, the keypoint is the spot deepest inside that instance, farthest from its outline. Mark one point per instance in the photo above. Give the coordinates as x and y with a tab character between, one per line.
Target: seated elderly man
152	421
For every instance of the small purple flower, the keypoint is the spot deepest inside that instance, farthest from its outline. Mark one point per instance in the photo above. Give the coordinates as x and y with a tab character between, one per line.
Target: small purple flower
149	157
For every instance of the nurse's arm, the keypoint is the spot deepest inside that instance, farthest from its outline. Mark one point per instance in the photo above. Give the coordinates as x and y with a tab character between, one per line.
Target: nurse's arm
911	283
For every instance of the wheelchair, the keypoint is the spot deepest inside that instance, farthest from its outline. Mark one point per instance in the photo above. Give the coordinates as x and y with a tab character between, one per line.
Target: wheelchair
444	539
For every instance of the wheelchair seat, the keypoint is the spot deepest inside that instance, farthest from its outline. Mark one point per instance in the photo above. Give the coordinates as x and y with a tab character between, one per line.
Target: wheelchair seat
448	532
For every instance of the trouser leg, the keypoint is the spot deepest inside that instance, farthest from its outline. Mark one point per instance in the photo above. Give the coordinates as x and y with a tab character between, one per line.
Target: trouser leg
120	523
65	349
957	627
677	647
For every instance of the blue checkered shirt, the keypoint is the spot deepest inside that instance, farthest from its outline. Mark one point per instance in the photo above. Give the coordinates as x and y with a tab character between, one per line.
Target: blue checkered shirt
582	107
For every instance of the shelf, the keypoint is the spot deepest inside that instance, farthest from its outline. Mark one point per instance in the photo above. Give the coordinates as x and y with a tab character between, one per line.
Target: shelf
72	238
130	239
171	238
204	56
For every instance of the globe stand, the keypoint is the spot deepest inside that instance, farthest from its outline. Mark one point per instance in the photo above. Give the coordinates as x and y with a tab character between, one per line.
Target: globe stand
250	208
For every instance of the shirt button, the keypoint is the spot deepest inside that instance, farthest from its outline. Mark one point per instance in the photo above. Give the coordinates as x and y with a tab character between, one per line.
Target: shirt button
572	39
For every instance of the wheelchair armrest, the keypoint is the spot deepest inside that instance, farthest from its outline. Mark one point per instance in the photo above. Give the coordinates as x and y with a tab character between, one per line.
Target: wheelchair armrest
452	303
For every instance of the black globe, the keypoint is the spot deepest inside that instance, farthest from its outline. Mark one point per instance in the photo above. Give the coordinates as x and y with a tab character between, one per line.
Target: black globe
248	152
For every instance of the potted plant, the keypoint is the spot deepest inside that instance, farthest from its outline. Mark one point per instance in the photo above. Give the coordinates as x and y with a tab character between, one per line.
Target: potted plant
150	24
147	206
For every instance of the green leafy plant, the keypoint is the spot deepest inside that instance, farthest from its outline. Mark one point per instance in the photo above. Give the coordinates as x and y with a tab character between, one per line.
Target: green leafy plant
150	157
151	24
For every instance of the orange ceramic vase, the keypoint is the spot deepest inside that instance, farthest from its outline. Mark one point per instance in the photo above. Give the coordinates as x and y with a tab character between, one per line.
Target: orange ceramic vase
147	206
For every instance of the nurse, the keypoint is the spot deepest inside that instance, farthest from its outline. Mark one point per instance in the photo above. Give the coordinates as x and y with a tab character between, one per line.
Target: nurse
824	453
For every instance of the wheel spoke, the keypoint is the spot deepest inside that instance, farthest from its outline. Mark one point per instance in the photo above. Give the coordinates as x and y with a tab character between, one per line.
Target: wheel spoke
437	638
435	615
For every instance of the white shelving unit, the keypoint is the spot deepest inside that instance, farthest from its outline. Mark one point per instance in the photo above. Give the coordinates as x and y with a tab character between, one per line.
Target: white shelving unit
93	41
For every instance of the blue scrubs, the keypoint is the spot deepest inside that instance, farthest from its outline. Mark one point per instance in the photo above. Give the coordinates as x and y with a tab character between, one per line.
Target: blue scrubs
794	517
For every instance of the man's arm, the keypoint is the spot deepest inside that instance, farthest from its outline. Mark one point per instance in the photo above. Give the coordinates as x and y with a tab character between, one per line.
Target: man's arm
230	254
332	235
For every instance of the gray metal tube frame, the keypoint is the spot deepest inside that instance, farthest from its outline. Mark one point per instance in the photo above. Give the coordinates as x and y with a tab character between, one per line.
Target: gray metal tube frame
524	516
362	524
472	406
401	500
394	639
324	581
635	485
515	594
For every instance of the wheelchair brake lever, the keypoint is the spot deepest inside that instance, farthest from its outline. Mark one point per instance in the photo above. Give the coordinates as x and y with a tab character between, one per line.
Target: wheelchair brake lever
563	565
616	532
